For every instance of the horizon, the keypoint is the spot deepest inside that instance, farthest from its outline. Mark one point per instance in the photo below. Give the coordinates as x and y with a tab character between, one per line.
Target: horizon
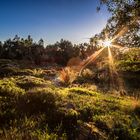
53	20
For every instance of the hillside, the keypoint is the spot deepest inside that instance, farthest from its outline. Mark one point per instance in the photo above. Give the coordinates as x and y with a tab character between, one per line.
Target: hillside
35	106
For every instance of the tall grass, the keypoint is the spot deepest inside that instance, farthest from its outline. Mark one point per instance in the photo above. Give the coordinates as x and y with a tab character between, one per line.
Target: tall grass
67	75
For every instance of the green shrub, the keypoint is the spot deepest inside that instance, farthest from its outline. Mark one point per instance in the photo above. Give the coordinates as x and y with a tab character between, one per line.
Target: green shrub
38	100
9	88
29	82
129	65
125	131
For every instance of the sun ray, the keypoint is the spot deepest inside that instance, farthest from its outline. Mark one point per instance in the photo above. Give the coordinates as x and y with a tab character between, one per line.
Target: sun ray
107	43
90	59
112	70
120	32
115	79
116	82
117	46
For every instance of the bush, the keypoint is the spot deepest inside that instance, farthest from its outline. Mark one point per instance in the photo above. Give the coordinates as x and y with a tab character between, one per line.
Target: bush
69	123
37	101
9	88
67	76
88	74
129	66
29	82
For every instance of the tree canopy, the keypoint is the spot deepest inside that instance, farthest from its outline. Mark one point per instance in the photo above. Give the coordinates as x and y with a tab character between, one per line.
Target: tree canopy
124	24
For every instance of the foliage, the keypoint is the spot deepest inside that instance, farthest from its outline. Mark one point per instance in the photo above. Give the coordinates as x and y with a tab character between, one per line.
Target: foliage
8	71
129	66
34	107
29	82
123	26
67	76
130	60
133	55
38	54
8	87
28	128
88	74
83	91
66	113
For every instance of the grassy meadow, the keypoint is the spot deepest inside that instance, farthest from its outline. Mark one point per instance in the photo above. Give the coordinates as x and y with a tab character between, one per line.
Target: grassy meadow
36	105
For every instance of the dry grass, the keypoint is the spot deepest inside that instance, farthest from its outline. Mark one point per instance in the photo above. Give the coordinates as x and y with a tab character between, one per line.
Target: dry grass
67	75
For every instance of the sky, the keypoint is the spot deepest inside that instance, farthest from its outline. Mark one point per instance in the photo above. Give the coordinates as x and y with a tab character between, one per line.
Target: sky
74	20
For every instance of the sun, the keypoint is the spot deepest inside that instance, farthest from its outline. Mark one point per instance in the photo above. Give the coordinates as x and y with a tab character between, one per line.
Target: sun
107	43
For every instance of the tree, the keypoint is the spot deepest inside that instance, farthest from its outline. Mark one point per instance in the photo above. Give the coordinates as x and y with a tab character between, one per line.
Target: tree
124	24
1	48
28	41
16	38
41	42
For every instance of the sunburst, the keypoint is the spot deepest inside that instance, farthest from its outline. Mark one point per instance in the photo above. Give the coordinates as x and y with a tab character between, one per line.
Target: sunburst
107	43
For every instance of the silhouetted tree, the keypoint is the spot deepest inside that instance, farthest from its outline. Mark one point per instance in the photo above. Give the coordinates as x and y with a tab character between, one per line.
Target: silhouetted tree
1	48
125	17
60	52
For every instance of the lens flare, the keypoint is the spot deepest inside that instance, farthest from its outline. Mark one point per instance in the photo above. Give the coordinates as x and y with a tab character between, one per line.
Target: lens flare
116	82
90	59
77	66
107	43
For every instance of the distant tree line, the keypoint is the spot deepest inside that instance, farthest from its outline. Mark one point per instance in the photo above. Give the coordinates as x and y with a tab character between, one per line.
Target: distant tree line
59	53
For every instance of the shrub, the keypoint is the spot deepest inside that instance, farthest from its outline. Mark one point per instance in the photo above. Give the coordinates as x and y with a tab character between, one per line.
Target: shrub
88	74
9	88
69	123
4	61
8	68
129	65
67	75
38	100
29	82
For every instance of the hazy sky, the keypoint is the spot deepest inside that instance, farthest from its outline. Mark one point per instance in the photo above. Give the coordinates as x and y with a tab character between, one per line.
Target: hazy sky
51	20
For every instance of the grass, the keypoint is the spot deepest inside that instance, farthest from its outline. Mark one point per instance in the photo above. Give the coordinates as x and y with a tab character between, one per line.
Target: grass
67	75
32	107
83	91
